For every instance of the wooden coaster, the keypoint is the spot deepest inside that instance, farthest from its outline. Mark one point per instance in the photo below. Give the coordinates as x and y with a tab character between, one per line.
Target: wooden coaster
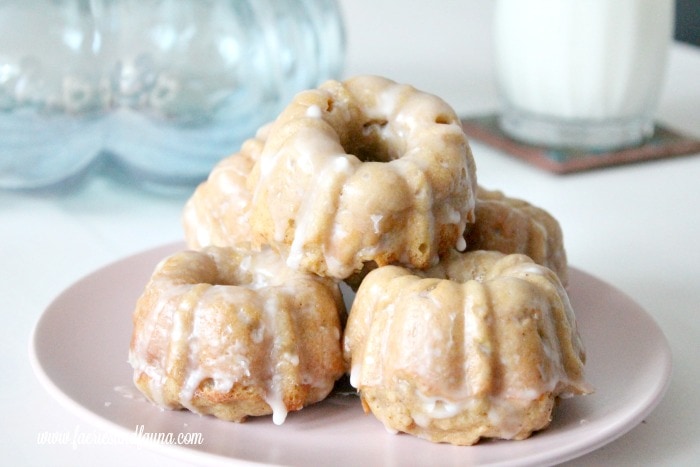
663	144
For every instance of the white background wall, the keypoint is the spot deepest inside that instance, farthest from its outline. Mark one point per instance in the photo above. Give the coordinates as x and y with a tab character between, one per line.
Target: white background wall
458	40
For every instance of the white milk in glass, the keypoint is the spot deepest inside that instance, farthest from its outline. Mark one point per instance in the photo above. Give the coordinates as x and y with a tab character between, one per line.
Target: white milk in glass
581	73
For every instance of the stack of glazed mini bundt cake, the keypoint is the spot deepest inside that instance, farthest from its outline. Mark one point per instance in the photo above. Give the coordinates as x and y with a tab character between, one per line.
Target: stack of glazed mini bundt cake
461	327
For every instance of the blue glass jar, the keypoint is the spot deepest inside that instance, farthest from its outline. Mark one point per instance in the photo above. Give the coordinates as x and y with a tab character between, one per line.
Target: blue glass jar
163	89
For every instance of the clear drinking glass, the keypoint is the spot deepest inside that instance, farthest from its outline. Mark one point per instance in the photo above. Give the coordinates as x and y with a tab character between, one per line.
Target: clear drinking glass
582	74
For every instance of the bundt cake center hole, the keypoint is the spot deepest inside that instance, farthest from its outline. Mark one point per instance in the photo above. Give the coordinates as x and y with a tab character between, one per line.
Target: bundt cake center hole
374	141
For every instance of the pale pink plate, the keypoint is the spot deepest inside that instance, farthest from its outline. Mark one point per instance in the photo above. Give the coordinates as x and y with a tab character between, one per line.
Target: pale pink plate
79	352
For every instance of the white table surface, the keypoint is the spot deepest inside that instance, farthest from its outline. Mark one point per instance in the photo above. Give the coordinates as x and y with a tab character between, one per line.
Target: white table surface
635	227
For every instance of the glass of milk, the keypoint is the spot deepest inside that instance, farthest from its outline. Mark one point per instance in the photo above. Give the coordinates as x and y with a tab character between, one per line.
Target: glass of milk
581	74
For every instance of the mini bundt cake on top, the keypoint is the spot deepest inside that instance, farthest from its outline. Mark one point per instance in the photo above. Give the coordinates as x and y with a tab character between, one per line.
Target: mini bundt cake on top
235	333
511	225
478	347
363	170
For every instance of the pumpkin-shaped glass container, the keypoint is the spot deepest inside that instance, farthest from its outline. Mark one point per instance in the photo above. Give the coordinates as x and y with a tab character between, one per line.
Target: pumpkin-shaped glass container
158	89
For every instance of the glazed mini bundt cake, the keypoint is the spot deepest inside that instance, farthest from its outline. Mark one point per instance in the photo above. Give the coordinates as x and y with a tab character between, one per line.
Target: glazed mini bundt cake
234	333
479	346
511	225
365	170
218	211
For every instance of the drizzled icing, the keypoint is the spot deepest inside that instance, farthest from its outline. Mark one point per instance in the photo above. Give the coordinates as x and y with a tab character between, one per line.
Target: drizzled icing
461	243
313	111
227	335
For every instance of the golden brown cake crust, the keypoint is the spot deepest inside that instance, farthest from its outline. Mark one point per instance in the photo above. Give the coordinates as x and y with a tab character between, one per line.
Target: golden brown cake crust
512	225
478	346
217	213
233	333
